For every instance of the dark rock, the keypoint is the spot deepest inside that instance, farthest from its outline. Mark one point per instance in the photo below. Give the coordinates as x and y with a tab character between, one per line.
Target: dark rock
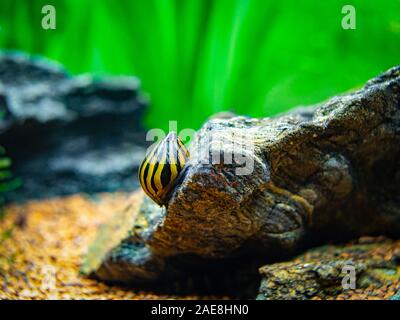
325	173
69	134
325	273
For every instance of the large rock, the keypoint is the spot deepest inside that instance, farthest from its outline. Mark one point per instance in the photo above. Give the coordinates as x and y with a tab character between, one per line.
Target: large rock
318	174
69	134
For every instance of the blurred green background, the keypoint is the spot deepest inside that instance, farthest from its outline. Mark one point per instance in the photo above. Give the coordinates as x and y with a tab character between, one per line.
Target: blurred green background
197	57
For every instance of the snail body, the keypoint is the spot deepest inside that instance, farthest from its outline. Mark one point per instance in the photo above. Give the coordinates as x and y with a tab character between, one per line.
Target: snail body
161	168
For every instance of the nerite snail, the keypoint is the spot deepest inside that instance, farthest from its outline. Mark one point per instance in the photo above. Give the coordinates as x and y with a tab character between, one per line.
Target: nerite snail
161	168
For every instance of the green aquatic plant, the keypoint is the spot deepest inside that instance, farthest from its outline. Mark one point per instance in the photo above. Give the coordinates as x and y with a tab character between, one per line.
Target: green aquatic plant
198	57
7	181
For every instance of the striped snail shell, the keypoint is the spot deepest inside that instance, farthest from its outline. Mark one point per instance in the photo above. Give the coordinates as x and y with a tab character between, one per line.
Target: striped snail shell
161	167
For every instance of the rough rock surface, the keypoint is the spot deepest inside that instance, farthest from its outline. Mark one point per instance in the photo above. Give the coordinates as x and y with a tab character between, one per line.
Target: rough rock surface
324	273
325	173
84	131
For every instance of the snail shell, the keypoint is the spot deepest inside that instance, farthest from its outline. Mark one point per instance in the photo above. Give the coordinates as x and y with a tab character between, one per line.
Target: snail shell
161	167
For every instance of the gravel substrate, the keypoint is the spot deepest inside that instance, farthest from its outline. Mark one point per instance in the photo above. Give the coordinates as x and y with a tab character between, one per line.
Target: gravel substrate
42	244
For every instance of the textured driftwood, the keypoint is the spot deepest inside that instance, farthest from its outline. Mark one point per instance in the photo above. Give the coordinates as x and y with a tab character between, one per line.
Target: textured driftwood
329	172
323	273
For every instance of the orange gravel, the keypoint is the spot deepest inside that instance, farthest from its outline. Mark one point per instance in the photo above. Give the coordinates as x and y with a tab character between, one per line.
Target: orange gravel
42	244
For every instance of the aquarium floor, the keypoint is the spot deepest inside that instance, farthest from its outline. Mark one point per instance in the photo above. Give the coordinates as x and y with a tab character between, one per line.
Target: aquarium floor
42	244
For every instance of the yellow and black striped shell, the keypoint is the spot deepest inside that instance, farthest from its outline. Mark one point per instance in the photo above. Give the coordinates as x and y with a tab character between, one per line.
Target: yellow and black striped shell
161	167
